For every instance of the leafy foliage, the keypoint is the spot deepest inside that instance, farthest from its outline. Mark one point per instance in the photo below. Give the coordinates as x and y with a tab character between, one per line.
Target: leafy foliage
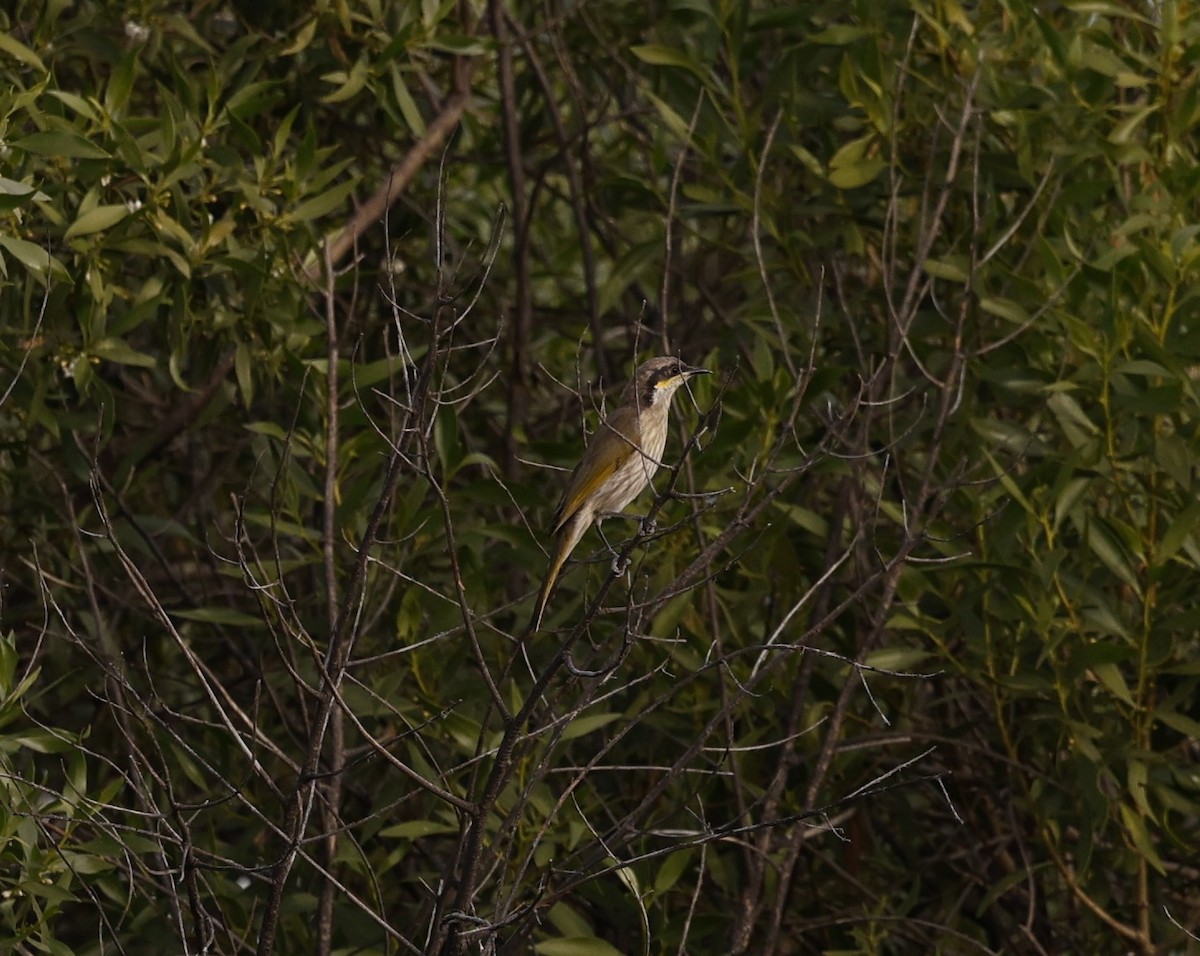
292	300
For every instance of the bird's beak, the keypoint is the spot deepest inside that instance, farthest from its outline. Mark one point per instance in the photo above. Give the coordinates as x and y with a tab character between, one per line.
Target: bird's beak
697	370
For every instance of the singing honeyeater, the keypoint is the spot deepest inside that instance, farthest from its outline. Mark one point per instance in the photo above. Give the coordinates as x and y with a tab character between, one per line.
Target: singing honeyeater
619	461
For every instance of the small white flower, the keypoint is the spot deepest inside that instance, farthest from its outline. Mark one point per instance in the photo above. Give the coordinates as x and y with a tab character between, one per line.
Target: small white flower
138	32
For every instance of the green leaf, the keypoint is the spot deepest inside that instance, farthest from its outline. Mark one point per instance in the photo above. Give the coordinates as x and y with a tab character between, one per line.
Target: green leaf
320	205
120	84
840	34
121	352
156	250
951	268
60	144
897	658
86	864
856	175
576	946
1136	777
1108	260
1101	619
76	103
408	106
303	38
1135	826
219	615
1111	677
19	51
1072	419
34	258
1178	722
853	165
807	159
270	429
415	829
1069	497
672	869
97	220
14	194
1101	60
457	43
805	518
663	56
1124	131
52	893
569	922
181	25
8	663
1106	545
372	373
675	123
40	740
475	458
349	84
242	370
585	725
1004	309
251	99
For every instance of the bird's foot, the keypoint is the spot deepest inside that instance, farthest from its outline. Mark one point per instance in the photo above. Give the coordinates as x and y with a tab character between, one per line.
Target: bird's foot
616	557
647	527
619	565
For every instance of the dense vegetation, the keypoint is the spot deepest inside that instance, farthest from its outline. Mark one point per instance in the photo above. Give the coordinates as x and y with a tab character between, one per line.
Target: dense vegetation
300	305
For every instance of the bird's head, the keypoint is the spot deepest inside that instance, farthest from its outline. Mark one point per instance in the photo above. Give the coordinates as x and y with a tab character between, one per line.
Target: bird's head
658	379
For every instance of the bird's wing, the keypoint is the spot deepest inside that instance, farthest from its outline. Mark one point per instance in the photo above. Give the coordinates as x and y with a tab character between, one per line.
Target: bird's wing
610	448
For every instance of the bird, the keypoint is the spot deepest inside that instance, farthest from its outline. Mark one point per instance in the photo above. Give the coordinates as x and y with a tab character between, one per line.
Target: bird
618	462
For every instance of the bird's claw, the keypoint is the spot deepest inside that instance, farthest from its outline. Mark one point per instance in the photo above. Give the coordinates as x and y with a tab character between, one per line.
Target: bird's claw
619	564
648	527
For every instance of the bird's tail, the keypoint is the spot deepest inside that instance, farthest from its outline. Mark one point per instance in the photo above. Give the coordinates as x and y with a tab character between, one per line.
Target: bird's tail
556	563
568	537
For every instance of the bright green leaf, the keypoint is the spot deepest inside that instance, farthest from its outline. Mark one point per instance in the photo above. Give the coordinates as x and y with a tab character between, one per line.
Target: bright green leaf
97	220
34	258
14	194
349	84
320	205
952	269
19	51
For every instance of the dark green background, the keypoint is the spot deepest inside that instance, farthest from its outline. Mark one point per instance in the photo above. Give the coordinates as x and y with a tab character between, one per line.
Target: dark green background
932	684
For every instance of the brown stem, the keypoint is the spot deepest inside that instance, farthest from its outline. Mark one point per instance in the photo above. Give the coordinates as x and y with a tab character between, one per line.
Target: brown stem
331	805
370	213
